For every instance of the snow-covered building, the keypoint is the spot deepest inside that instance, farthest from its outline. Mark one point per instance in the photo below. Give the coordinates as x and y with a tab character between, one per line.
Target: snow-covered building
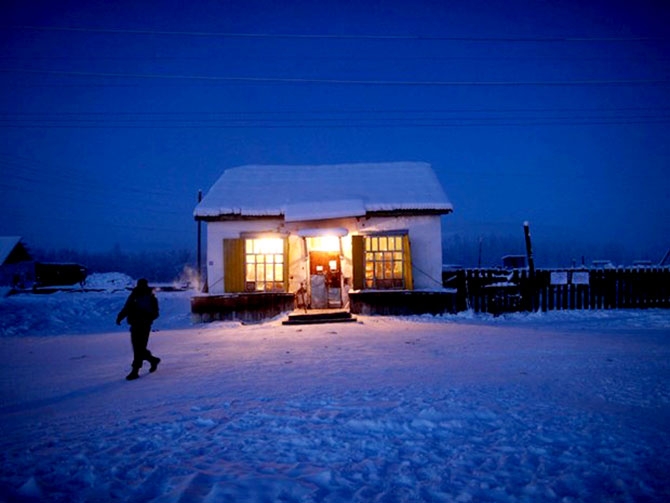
17	266
322	233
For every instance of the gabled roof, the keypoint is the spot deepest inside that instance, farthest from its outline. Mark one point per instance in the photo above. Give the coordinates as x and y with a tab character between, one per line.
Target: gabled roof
12	248
327	191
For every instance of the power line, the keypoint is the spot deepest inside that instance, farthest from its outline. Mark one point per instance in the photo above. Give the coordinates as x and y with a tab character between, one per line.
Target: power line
50	193
338	111
106	222
350	125
30	178
34	173
340	118
186	122
646	58
326	36
292	80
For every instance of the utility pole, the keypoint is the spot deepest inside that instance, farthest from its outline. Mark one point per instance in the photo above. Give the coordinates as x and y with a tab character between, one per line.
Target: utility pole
479	260
199	247
529	301
529	251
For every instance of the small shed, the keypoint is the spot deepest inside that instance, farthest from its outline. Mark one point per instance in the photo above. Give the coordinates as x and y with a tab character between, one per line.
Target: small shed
316	235
17	267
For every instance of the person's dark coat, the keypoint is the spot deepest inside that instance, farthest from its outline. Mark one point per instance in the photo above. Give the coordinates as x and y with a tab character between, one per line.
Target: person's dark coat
141	307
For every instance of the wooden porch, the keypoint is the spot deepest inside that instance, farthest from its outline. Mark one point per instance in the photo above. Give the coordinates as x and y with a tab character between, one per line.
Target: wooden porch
246	307
255	307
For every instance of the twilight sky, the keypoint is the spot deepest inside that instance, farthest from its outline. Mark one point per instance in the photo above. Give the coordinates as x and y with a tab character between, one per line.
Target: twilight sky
114	114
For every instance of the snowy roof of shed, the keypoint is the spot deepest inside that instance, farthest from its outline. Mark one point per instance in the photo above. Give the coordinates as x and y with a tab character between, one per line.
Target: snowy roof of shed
323	192
7	245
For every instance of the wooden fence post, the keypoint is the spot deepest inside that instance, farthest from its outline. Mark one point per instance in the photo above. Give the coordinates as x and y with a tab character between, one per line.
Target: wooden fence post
461	291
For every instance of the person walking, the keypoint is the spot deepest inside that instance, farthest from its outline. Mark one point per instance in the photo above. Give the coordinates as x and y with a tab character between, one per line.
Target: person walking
141	309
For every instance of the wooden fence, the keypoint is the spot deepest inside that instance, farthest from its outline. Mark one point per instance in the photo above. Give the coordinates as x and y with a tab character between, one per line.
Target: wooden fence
498	290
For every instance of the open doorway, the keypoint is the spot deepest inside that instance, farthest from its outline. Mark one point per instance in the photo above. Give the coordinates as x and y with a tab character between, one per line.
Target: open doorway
324	251
325	278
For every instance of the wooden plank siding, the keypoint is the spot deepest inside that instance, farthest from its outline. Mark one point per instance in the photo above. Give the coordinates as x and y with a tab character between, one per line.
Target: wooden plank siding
407	261
233	265
358	261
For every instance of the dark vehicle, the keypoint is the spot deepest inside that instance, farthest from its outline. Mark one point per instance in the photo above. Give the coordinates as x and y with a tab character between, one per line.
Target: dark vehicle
59	274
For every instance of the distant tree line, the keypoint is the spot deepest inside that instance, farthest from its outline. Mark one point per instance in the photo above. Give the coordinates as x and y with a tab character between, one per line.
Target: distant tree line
156	265
461	249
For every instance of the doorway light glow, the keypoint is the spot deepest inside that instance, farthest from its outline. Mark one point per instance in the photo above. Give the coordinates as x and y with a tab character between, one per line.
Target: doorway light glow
324	243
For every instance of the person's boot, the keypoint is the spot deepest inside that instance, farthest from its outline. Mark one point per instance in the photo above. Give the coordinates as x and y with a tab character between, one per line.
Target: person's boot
154	364
134	374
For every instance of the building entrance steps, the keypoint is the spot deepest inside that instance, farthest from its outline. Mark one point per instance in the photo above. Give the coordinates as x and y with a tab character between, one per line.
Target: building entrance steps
319	316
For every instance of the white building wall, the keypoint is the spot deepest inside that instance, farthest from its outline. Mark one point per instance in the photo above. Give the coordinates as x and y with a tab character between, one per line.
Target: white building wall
424	236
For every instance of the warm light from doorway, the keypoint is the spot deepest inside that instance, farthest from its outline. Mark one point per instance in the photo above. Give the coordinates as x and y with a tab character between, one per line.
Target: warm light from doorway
324	243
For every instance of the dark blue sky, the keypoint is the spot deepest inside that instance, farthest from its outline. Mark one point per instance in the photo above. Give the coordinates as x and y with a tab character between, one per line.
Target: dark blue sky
113	116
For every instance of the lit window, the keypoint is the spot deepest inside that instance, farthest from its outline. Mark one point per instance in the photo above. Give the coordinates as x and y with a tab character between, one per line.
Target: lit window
264	264
384	262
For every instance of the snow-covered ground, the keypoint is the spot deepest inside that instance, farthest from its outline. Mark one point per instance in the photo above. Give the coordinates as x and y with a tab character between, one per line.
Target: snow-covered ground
561	407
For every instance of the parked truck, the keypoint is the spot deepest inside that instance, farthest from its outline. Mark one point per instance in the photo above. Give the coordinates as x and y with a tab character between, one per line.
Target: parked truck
57	274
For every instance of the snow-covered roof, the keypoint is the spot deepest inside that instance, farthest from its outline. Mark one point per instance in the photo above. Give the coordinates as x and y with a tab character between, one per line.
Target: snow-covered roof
7	245
325	191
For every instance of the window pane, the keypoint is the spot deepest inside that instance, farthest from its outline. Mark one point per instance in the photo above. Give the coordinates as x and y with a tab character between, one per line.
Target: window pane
384	262
264	264
251	272
277	246
369	269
